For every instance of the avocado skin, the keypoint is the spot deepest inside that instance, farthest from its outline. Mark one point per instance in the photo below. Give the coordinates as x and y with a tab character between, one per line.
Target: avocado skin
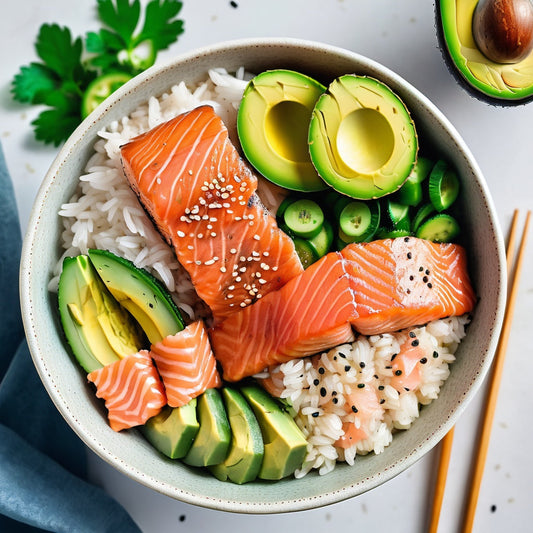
454	70
98	330
173	430
210	447
246	451
285	445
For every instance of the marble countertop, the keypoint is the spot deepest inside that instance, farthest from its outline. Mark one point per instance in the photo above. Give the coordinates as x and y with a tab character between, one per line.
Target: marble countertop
401	35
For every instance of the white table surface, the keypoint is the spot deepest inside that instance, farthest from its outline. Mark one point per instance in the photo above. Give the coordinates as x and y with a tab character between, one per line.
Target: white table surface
401	35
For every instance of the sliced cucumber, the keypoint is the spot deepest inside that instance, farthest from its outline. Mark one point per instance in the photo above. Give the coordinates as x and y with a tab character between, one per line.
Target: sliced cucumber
304	218
288	200
422	214
323	241
410	193
393	233
398	215
443	186
359	221
440	228
306	252
421	170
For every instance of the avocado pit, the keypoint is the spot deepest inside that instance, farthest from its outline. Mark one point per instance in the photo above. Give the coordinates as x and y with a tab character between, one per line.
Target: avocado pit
503	29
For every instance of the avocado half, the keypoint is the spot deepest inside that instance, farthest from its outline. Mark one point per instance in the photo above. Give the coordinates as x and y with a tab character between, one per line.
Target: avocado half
272	125
362	139
497	83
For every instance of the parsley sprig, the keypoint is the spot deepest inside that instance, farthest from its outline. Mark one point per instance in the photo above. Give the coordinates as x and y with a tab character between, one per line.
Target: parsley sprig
71	67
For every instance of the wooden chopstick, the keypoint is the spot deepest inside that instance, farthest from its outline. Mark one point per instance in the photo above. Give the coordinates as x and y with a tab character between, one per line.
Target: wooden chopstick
494	385
447	441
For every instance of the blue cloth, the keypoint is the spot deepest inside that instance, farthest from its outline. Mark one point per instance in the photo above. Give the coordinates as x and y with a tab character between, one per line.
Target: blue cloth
43	464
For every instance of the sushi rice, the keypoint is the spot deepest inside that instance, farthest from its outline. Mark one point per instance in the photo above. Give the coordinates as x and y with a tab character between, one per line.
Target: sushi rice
105	213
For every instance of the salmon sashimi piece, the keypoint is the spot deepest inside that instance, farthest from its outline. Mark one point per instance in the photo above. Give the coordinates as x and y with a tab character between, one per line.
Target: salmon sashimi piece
403	282
131	388
310	313
186	364
236	258
201	196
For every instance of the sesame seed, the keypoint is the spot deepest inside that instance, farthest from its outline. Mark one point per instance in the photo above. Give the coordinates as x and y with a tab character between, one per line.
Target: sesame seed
242	304
233	251
398	372
321	370
409	255
354	409
210	262
323	392
230	295
315	414
238	279
198	262
423	360
382	401
190	247
316	381
435	355
222	269
381	387
362	364
266	254
256	237
181	234
242	269
347	368
213	234
415	343
262	281
412	334
360	385
200	235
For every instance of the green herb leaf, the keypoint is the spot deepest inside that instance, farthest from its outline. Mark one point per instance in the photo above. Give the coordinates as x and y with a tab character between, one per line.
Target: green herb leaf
159	26
33	82
123	18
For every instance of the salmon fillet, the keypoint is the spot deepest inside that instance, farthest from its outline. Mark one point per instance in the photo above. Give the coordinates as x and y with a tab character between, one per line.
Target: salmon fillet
186	364
310	313
403	282
201	196
131	388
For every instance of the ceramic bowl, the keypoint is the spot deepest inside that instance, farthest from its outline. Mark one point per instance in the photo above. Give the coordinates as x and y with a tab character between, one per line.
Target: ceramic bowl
128	451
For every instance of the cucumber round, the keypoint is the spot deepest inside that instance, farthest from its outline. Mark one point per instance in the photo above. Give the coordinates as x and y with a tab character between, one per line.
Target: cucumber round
305	251
443	186
359	221
398	215
440	228
410	193
304	218
323	241
422	214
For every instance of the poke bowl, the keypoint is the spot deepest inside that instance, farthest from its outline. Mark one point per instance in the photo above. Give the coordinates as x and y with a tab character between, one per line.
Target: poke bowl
213	75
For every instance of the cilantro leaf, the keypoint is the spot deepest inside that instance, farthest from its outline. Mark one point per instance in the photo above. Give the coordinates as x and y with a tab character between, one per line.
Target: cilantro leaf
33	82
159	26
123	18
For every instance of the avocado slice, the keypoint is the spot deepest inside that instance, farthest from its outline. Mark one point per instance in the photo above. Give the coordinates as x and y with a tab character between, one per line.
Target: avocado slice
272	125
495	82
246	449
140	293
285	444
98	330
173	430
362	139
210	447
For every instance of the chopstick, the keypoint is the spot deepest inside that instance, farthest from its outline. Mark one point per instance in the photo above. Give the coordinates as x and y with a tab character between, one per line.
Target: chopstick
492	395
494	386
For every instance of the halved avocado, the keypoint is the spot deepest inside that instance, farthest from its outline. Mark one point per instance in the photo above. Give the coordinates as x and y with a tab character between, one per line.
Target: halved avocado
140	293
362	139
499	83
98	330
272	124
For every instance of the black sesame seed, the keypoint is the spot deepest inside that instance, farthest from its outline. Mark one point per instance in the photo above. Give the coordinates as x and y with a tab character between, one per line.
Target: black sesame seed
323	391
408	291
360	385
409	255
425	279
315	414
427	272
388	367
334	393
376	376
335	400
406	239
316	381
382	401
435	355
334	357
423	360
354	409
411	278
342	355
421	269
406	389
492	508
393	357
398	372
347	368
381	387
362	364
321	370
416	342
430	286
182	518
412	334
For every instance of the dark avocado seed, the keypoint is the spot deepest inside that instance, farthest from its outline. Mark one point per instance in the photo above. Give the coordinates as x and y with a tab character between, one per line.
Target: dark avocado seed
503	29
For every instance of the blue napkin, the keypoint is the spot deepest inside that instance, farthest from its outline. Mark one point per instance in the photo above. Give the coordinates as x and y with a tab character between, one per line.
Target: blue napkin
43	464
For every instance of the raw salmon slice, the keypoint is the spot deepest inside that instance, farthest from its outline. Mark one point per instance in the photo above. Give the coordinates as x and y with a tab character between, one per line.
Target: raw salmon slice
310	313
186	364
403	282
201	195
131	388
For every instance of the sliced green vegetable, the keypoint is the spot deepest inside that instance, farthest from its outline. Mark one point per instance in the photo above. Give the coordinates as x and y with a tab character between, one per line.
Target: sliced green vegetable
398	215
322	242
304	218
306	252
421	169
359	221
393	233
443	186
100	88
440	228
422	214
410	193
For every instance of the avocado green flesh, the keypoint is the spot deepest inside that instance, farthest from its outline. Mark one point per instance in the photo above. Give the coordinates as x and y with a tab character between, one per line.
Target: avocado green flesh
210	447
285	445
97	329
140	294
496	80
272	124
246	451
362	139
173	430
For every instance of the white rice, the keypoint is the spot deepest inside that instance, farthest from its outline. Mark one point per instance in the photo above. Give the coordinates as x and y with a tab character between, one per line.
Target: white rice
311	386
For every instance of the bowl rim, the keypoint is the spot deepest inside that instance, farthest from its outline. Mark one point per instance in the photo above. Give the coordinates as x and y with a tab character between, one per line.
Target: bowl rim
29	319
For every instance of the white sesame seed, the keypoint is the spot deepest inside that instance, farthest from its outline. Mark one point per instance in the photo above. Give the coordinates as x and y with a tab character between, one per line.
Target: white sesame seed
266	254
190	172
247	301
198	262
258	274
187	210
190	247
213	234
200	235
230	296
210	262
233	251
222	269
209	226
242	304
259	296
158	181
213	219
262	281
242	269
251	223
274	268
231	287
238	279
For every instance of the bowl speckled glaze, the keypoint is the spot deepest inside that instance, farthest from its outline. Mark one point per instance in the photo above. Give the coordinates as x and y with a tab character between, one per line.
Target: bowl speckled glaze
128	451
